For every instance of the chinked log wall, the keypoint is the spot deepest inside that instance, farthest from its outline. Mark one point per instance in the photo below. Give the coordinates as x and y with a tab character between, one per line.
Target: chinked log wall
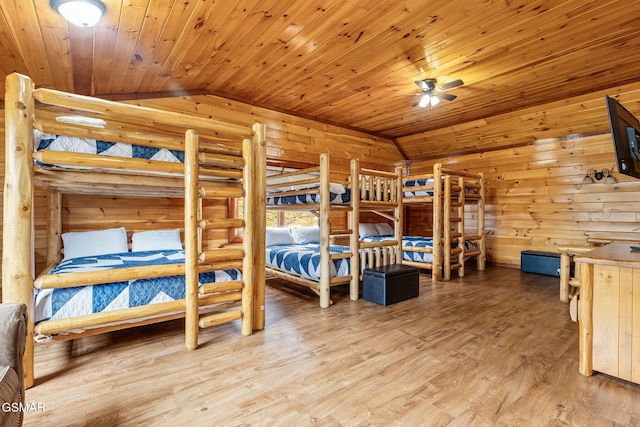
291	141
535	196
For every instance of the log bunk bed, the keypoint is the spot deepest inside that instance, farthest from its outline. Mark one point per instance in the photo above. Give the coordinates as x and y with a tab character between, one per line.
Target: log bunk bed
452	196
311	189
221	160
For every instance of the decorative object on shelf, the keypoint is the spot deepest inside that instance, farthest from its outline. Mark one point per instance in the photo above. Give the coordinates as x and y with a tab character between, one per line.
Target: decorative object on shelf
83	13
594	175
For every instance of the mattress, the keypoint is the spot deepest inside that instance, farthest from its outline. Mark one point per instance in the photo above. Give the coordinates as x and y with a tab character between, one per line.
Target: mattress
310	198
407	192
415	241
45	141
304	260
60	303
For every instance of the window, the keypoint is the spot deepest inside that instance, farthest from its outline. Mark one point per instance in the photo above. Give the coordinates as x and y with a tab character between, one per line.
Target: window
273	219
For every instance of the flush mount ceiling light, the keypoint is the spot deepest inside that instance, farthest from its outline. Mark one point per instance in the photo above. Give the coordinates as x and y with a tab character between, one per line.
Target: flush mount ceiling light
83	13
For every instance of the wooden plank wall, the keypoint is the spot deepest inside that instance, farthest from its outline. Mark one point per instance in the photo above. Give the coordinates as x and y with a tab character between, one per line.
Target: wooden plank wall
291	141
535	196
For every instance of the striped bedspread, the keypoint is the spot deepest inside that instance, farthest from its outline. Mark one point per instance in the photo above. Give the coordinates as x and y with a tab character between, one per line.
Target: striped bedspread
69	302
304	260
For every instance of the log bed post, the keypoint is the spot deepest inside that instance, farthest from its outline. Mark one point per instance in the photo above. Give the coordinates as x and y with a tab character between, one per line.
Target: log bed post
17	245
482	258
446	228
54	227
354	261
191	203
436	263
325	233
399	217
259	199
461	225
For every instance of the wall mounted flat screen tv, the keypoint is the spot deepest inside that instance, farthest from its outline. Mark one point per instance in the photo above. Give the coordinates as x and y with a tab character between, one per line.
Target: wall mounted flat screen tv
625	132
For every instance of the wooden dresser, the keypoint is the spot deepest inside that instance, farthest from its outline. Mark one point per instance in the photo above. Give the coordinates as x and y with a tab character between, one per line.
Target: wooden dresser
610	311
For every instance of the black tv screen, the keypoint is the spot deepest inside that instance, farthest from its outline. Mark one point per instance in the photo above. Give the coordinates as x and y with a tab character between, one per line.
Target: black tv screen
625	132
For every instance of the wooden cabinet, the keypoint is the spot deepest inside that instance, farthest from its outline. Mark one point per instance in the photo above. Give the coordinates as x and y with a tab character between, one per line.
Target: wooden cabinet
610	311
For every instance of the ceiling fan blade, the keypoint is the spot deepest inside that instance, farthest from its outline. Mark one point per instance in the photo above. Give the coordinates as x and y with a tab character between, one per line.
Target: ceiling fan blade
422	85
452	84
447	96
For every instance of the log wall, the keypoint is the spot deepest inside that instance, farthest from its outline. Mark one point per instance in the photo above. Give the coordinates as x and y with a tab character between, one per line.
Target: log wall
535	196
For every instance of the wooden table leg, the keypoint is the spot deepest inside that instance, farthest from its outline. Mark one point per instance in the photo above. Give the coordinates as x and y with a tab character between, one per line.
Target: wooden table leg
565	273
585	365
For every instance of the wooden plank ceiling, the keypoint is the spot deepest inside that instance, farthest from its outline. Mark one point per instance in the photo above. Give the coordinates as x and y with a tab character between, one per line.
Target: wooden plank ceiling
347	62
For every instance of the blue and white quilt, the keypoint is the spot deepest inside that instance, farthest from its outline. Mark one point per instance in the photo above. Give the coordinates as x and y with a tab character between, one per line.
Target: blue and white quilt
415	241
304	260
45	141
310	198
417	183
69	302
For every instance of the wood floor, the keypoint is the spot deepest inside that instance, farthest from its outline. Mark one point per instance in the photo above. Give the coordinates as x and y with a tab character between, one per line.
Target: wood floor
494	348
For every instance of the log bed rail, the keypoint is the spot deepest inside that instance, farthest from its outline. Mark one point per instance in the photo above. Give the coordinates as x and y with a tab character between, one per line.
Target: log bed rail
221	160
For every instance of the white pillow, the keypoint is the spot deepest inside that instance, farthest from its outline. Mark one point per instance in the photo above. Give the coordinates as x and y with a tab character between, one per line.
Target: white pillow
306	234
367	229
384	229
99	242
156	240
278	236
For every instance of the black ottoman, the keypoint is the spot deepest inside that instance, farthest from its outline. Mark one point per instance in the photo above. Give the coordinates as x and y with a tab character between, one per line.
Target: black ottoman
390	283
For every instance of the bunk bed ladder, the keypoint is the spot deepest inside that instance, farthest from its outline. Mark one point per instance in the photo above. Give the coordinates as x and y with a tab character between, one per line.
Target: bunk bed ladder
225	301
476	194
459	248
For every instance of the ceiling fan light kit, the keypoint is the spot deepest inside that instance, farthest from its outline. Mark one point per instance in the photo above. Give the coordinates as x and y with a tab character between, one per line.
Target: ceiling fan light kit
83	13
432	93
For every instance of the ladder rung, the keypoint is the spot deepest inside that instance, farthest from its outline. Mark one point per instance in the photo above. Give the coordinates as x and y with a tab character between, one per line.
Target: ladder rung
222	297
339	232
222	223
218	255
473	253
471	238
220	191
220	160
221	265
211	288
220	318
341	255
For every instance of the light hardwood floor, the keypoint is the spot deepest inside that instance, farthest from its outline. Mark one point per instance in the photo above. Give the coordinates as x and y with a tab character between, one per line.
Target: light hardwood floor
494	348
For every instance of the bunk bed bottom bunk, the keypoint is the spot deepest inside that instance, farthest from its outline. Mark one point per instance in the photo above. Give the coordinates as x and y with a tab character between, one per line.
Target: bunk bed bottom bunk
71	302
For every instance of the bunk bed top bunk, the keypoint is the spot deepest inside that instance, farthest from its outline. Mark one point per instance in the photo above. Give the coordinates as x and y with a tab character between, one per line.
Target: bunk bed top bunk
212	159
318	264
449	193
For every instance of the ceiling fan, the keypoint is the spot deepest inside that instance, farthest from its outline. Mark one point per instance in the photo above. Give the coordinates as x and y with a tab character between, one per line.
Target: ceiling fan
432	93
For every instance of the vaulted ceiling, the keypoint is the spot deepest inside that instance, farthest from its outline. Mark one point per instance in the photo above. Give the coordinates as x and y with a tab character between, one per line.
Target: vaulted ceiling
352	63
